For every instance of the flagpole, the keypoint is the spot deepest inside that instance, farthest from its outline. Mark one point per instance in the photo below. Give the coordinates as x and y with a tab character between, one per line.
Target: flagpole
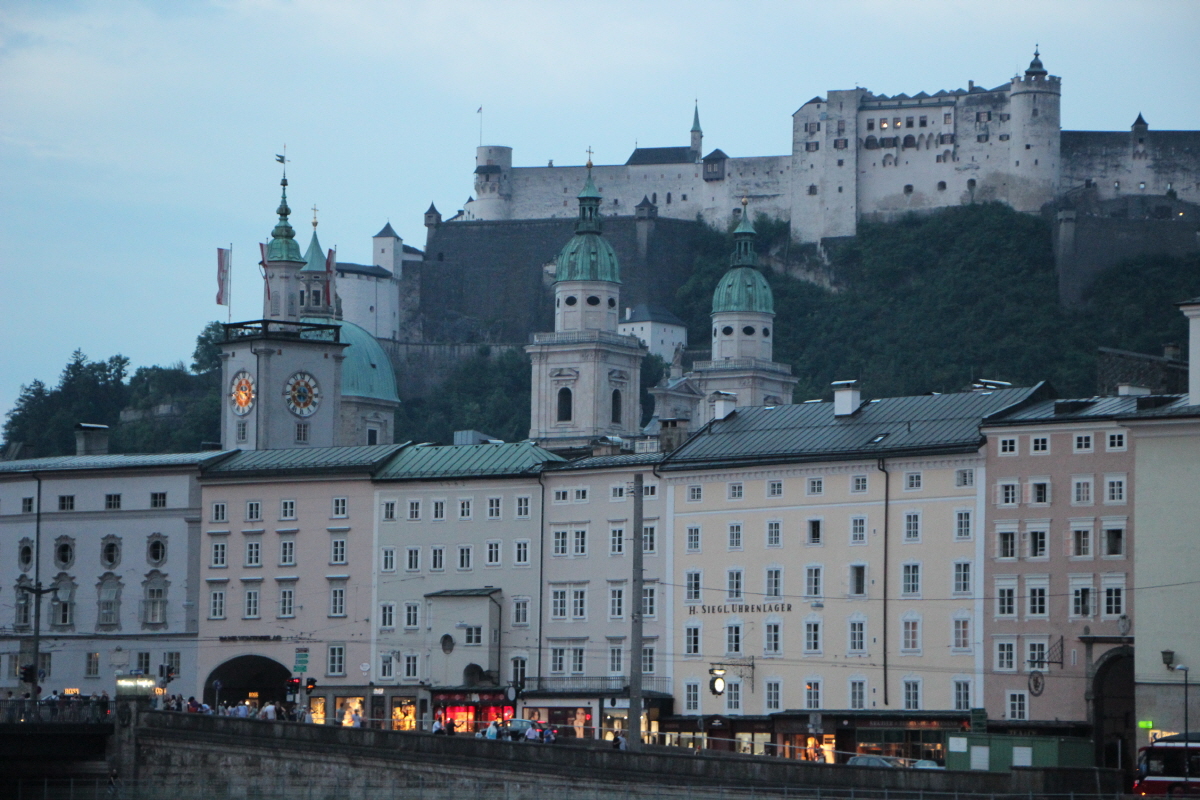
481	126
229	287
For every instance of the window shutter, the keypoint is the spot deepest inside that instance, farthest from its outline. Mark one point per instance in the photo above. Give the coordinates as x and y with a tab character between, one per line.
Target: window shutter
1067	541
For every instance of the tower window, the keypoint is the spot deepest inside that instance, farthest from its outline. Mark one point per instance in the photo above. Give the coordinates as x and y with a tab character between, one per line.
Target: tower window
572	300
748	330
564	405
593	301
727	330
616	406
908	188
971	184
766	332
316	297
941	186
612	302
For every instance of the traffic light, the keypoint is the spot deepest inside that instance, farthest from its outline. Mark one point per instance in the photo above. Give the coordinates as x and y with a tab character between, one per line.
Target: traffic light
293	685
171	674
28	674
166	673
310	685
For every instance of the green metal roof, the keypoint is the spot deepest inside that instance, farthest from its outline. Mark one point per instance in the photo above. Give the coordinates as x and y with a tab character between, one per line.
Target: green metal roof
696	120
283	246
113	461
366	368
743	289
314	259
467	461
365	458
588	256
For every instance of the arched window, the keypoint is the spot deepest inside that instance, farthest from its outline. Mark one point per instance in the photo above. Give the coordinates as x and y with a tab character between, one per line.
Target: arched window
616	406
564	405
154	600
108	615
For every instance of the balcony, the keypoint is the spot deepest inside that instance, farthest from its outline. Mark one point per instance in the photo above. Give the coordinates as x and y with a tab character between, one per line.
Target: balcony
743	363
576	337
595	684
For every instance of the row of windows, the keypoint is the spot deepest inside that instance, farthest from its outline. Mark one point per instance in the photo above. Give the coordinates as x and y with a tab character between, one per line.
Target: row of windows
110	552
339	509
815	531
464	556
573	543
1082	598
1039	491
617	492
464	509
1115	441
814	582
815	486
112	502
1079	542
253	553
906	122
911	625
571	602
732	700
152	611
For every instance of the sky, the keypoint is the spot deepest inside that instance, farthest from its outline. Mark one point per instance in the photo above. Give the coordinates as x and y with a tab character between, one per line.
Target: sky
137	137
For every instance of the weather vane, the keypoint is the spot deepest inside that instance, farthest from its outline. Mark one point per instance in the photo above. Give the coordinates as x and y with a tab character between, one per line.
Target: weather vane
314	216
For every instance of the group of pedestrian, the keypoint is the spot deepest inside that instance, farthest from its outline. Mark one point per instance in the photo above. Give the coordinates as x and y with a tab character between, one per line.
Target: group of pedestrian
270	711
55	706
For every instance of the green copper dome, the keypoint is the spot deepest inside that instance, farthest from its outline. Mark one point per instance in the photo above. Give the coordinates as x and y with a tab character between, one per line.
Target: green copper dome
283	246
366	369
314	259
588	256
743	289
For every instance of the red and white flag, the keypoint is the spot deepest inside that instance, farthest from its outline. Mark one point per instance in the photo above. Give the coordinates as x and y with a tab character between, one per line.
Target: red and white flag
262	248
330	265
224	256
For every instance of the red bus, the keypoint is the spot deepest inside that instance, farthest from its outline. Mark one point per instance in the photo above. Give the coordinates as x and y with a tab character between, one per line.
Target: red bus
1170	766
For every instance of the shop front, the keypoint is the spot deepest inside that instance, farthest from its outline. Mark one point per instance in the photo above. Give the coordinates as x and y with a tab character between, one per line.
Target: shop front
601	716
751	735
470	711
901	734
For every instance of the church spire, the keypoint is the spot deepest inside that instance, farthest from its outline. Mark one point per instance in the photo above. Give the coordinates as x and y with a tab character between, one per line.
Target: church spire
697	143
696	119
589	204
744	254
283	246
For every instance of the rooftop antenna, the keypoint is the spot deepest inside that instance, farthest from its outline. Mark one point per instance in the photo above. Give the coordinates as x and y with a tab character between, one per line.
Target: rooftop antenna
314	216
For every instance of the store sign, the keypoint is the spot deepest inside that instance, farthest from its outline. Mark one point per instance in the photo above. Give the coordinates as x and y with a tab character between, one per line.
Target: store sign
739	608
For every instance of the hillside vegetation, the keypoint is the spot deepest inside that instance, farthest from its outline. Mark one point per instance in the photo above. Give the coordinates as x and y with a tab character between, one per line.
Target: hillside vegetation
928	303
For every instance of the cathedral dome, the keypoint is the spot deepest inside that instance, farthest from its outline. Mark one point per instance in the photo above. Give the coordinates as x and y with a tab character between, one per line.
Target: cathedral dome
366	369
743	289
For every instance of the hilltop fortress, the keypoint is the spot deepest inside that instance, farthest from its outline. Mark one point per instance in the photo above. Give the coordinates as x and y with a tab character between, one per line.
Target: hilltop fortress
861	156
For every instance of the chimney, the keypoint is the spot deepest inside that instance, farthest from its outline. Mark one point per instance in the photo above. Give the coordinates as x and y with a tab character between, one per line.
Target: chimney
846	398
1128	389
1172	351
607	446
1191	310
671	434
723	404
91	439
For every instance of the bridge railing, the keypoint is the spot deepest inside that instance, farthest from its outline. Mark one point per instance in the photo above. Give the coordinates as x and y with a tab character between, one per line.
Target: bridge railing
68	710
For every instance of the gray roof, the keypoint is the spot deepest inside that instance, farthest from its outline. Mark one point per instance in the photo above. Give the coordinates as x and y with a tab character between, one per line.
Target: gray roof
1091	408
485	592
387	231
716	154
602	462
661	155
888	427
429	462
362	269
305	460
114	461
648	312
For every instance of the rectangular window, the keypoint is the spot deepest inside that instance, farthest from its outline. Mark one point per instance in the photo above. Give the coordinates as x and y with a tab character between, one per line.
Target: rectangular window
616	541
253	511
216	605
340	507
91	665
411	667
812	695
964	478
493	554
962	695
774	534
649	601
616	660
143	663
337	551
473	635
1039	493
858	484
912	695
253	553
912	580
1114	601
647	660
561	495
251	604
814	531
772	645
389	511
912	527
858	636
112	502
858	580
464	509
649	541
1116	441
962	577
522	508
558	603
439	510
242	431
579	603
735	536
733	584
1008	446
858	530
1039	444
218	554
947	119
1037	544
412	615
1083	443
579	540
560	543
774	587
521	553
412	559
387	559
287	602
1037	601
1006	544
1081	601
464	557
437	558
387	615
520	612
695	494
337	601
815	486
336	660
414	510
962	524
735	491
1010	494
693	539
962	634
1081	543
1018	708
812	582
691	640
1116	490
616	602
159	499
1114	542
1006	601
581	495
218	512
692	587
858	695
733	697
774	488
494	508
912	481
691	697
733	639
910	631
386	668
617	492
812	636
1037	655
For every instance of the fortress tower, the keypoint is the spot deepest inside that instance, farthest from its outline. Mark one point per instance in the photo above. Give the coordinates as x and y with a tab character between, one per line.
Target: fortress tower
1035	143
493	182
586	376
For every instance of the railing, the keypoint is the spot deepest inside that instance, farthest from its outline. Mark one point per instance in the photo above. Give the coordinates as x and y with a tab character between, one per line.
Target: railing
594	683
575	337
69	709
278	329
744	363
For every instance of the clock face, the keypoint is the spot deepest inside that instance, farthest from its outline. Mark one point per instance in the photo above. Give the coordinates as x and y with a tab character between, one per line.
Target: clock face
241	393
302	394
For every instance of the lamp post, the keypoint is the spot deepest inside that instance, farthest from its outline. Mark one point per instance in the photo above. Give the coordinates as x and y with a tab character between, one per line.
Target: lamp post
37	591
1168	657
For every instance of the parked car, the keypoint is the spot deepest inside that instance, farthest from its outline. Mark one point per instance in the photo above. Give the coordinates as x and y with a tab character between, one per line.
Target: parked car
926	763
874	761
517	729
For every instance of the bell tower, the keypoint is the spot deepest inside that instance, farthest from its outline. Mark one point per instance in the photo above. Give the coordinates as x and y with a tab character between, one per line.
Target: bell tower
586	376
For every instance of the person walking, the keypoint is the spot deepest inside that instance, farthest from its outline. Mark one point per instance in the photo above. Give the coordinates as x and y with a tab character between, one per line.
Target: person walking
532	734
493	730
451	725
438	728
355	718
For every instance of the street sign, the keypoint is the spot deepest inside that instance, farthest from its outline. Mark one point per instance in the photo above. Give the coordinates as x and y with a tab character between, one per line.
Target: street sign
301	658
1145	723
300	668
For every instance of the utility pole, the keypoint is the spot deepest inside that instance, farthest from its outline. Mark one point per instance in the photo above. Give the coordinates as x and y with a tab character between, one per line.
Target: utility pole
634	741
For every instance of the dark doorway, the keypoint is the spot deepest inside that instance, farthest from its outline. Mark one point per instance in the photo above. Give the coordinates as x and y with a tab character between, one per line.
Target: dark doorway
244	675
1113	692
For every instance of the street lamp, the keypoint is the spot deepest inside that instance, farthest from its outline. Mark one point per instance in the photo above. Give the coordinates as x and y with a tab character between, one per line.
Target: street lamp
1168	657
37	591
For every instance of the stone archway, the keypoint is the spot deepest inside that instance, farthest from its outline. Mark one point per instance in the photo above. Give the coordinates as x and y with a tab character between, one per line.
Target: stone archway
1113	710
243	675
